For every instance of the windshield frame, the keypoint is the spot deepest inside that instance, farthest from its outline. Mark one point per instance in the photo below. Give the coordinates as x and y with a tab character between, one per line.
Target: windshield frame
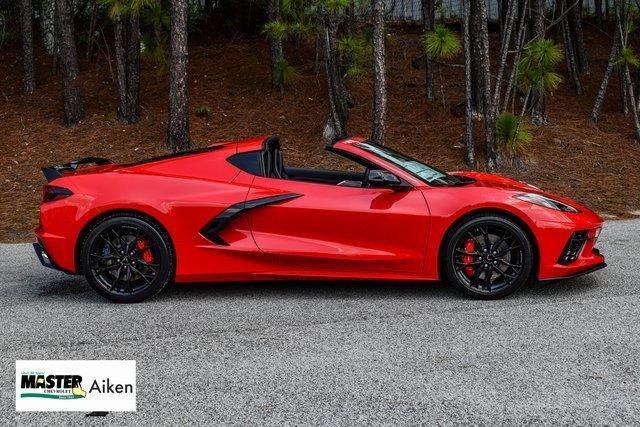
394	157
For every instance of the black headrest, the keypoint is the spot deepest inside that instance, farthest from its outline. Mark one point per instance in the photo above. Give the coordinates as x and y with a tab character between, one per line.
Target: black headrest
271	143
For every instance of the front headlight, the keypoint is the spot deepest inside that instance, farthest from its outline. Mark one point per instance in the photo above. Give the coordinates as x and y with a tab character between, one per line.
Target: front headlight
540	200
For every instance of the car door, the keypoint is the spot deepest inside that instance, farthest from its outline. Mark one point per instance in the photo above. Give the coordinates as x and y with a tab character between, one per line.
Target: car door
329	227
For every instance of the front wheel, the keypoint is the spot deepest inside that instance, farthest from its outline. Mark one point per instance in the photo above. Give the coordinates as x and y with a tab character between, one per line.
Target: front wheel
488	257
127	258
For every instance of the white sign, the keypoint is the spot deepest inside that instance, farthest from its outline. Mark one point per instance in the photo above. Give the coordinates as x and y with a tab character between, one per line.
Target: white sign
76	385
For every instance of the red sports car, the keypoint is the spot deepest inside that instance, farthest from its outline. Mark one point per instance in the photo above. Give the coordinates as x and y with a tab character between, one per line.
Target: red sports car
234	212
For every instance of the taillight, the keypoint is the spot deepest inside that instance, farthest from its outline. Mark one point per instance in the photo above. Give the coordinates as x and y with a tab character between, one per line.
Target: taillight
51	193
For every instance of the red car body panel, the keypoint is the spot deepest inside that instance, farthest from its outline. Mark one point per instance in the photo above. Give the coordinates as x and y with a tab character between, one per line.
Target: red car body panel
325	231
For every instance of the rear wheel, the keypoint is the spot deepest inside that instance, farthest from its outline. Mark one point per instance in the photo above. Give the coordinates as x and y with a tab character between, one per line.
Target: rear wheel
488	257
127	258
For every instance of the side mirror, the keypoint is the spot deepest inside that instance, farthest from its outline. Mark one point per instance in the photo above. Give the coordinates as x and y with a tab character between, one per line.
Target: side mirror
383	179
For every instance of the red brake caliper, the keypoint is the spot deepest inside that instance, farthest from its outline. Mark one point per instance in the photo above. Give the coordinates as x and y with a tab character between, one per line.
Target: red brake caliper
469	246
147	256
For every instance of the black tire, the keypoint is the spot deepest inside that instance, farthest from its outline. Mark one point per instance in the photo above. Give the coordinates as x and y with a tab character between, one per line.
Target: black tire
127	258
488	267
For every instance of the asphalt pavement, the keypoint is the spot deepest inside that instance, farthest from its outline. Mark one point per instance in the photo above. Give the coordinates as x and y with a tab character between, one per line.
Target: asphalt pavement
342	353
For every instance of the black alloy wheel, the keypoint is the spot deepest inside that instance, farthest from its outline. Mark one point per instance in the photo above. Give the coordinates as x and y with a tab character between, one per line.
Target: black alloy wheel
488	257
127	258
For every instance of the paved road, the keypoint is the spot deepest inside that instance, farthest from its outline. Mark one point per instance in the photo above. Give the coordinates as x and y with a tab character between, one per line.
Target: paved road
343	353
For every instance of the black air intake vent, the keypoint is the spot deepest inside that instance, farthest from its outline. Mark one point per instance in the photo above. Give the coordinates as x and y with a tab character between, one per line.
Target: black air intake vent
573	247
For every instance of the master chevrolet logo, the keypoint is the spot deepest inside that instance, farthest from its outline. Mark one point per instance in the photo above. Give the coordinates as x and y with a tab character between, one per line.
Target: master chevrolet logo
53	386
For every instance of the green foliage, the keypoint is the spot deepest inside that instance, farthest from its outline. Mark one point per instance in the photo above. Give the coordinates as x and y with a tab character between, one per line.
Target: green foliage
275	29
441	43
203	111
124	7
335	6
155	16
359	52
513	133
154	43
440	7
626	57
301	17
302	30
156	49
536	68
286	72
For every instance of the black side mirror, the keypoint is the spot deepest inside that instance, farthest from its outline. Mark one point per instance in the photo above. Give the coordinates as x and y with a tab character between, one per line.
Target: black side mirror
383	179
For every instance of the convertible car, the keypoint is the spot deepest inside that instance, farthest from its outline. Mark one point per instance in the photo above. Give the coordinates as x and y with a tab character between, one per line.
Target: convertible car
235	212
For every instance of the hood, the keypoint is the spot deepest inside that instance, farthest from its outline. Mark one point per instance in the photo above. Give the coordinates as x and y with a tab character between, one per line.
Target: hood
499	182
482	179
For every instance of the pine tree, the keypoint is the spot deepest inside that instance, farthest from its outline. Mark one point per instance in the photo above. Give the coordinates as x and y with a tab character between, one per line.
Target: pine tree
28	61
275	31
379	133
126	25
178	128
71	95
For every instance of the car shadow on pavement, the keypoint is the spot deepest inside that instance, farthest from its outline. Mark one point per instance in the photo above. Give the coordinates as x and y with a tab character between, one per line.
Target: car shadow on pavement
368	290
294	289
311	289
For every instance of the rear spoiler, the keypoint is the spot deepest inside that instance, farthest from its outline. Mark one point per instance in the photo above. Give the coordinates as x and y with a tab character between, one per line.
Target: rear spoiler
55	172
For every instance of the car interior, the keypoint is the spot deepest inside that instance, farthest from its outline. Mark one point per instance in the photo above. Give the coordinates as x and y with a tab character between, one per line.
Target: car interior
272	161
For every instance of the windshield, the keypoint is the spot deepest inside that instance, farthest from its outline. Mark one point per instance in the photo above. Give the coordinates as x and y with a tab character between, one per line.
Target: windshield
415	167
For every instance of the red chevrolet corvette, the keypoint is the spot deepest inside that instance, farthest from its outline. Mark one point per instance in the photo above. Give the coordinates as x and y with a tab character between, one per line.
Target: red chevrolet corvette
234	212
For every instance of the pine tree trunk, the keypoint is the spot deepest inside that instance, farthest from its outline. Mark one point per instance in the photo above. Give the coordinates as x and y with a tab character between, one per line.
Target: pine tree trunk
624	103
538	114
66	35
470	157
56	42
120	38
133	67
621	9
336	124
632	101
275	46
479	12
379	134
598	13
127	47
569	51
178	129
504	50
351	18
428	20
613	53
519	42
92	27
475	26
28	62
575	25
72	98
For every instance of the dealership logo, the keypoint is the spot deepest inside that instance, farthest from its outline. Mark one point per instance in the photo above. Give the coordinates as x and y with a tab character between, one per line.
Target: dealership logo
75	385
52	386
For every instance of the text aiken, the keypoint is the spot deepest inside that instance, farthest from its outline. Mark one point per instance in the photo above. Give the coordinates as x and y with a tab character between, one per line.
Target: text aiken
107	387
